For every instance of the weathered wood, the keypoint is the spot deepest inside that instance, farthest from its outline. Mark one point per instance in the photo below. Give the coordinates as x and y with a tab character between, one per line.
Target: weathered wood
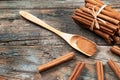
15	30
44	4
24	45
21	62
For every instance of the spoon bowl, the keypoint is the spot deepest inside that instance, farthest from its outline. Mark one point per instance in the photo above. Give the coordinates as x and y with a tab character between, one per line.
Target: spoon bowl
78	42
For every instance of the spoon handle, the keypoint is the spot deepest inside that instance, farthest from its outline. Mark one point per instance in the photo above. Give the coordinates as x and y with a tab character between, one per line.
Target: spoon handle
36	20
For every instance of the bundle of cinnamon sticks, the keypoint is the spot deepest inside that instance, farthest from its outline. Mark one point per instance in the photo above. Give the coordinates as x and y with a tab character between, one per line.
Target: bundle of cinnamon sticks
99	18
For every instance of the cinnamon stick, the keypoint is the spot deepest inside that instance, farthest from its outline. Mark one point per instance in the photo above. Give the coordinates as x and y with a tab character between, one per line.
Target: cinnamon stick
104	17
100	33
105	12
102	27
114	67
55	62
90	17
100	5
99	1
87	22
99	69
105	23
107	37
115	49
77	70
2	78
118	32
116	39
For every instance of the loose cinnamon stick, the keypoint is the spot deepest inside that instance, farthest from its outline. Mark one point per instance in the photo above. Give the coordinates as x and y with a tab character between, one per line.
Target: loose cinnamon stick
56	61
77	70
99	69
105	12
100	5
115	49
104	17
114	67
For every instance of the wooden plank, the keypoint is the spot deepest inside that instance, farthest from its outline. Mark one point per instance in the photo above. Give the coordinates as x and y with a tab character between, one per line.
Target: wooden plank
20	62
15	30
40	4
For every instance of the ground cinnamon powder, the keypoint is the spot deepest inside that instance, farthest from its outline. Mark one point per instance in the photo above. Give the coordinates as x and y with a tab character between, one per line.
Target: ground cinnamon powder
86	46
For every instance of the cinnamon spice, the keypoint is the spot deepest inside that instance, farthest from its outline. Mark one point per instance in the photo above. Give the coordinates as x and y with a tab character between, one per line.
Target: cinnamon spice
2	78
77	70
105	12
99	69
102	28
116	39
99	1
99	18
100	33
118	32
104	17
107	24
90	19
115	49
114	67
55	62
87	22
100	4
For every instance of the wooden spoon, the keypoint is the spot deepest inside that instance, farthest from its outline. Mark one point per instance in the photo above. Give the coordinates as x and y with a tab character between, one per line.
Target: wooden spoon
80	43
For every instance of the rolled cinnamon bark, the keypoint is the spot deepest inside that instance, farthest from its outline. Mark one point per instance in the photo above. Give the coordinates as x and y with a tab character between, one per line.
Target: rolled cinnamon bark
99	1
102	28
105	12
114	67
107	37
98	32
90	17
118	32
77	70
107	28
100	5
116	39
56	61
106	23
115	49
104	17
99	69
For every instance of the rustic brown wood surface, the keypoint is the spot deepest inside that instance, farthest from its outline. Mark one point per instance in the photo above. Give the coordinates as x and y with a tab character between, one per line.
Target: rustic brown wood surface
24	46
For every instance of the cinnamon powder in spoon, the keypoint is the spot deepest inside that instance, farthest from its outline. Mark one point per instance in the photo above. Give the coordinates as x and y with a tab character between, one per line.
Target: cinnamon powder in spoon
86	46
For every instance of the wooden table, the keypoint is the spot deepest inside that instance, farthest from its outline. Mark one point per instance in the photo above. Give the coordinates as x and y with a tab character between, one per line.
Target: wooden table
24	45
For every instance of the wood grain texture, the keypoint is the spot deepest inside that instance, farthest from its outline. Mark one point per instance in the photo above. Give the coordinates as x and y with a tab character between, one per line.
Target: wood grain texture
48	4
24	45
21	62
15	30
